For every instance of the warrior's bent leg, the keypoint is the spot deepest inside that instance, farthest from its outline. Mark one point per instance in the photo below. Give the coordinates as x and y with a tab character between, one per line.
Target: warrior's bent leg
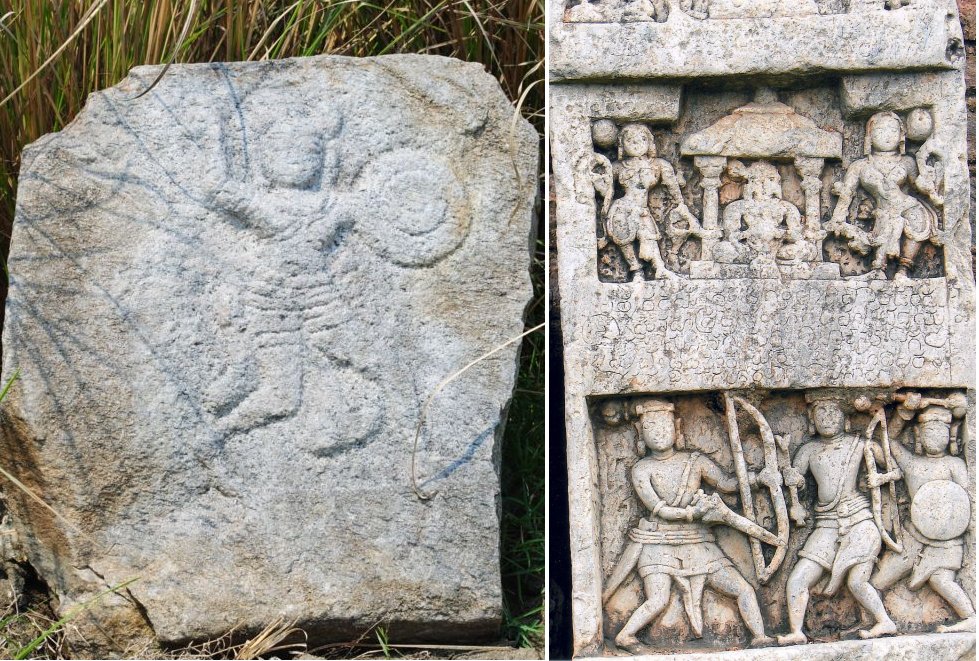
943	582
629	254
909	251
656	261
657	588
858	580
891	569
805	574
729	582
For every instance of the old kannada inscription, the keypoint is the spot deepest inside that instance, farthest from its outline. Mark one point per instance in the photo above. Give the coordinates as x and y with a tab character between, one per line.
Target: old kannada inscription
768	308
786	334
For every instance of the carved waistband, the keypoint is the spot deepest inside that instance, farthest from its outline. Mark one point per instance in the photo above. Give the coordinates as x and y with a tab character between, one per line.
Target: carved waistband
847	506
672	537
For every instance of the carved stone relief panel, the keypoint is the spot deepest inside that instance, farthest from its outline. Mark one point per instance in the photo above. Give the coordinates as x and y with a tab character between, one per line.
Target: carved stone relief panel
727	517
602	11
662	39
763	193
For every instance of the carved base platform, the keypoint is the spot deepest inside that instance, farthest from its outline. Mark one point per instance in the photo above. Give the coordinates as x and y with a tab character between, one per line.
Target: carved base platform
710	270
924	647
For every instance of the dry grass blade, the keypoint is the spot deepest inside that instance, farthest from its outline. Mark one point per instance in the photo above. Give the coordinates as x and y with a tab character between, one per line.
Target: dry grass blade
181	40
272	639
271	29
482	30
512	142
446	381
89	16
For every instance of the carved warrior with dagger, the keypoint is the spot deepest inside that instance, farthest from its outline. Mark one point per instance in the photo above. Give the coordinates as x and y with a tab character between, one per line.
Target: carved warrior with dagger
674	546
849	527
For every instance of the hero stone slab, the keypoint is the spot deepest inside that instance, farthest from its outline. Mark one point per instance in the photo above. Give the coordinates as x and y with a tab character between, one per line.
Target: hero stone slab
768	311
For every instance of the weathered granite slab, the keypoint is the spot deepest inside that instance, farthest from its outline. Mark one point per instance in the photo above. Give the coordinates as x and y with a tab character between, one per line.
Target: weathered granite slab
768	316
229	300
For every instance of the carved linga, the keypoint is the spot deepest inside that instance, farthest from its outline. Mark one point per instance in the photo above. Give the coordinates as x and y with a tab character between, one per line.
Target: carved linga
765	175
659	11
715	504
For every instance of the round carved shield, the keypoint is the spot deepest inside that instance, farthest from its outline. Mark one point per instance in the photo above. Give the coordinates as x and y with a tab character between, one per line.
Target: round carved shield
941	510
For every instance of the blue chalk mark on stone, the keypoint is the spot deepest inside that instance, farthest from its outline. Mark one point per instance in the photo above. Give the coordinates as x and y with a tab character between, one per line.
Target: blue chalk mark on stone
466	457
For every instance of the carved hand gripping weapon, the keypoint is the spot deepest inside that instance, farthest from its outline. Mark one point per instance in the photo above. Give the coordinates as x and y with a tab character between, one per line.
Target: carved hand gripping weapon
763	571
880	419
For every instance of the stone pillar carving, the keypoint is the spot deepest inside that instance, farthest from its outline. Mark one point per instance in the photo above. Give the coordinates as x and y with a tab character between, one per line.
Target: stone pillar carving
710	168
822	330
810	169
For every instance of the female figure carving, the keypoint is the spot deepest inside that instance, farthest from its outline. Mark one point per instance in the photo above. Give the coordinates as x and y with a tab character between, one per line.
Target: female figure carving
886	173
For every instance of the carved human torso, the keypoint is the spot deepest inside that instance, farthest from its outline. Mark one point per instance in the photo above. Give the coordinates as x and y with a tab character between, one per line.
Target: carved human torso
835	465
921	469
669	477
883	176
637	176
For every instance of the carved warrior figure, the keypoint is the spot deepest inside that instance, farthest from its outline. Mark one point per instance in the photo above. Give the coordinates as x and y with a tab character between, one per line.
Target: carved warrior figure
761	227
941	509
288	204
289	201
902	223
847	535
675	545
630	219
618	452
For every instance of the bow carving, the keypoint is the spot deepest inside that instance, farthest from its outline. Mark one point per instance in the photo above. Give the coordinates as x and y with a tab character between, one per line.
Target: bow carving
773	482
879	419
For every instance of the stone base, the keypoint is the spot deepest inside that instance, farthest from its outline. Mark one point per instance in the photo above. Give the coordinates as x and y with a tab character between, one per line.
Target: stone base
925	647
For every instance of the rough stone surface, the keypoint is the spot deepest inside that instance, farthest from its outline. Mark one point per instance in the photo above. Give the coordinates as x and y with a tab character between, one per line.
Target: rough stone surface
768	315
611	43
229	300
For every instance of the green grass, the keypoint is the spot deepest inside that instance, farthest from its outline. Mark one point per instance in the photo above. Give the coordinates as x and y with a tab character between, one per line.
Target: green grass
522	475
506	36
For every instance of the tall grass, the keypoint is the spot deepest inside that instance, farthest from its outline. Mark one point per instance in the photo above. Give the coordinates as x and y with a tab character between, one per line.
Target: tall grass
65	49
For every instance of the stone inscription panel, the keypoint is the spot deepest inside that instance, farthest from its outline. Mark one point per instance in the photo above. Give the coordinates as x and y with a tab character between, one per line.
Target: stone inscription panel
711	334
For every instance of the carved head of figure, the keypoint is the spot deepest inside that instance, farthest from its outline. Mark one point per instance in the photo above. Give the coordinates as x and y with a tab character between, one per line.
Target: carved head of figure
290	149
290	156
657	425
885	133
612	413
763	181
932	429
828	418
636	140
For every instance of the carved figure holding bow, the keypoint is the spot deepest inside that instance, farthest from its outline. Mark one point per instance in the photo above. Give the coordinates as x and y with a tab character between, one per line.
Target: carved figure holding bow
846	539
674	546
